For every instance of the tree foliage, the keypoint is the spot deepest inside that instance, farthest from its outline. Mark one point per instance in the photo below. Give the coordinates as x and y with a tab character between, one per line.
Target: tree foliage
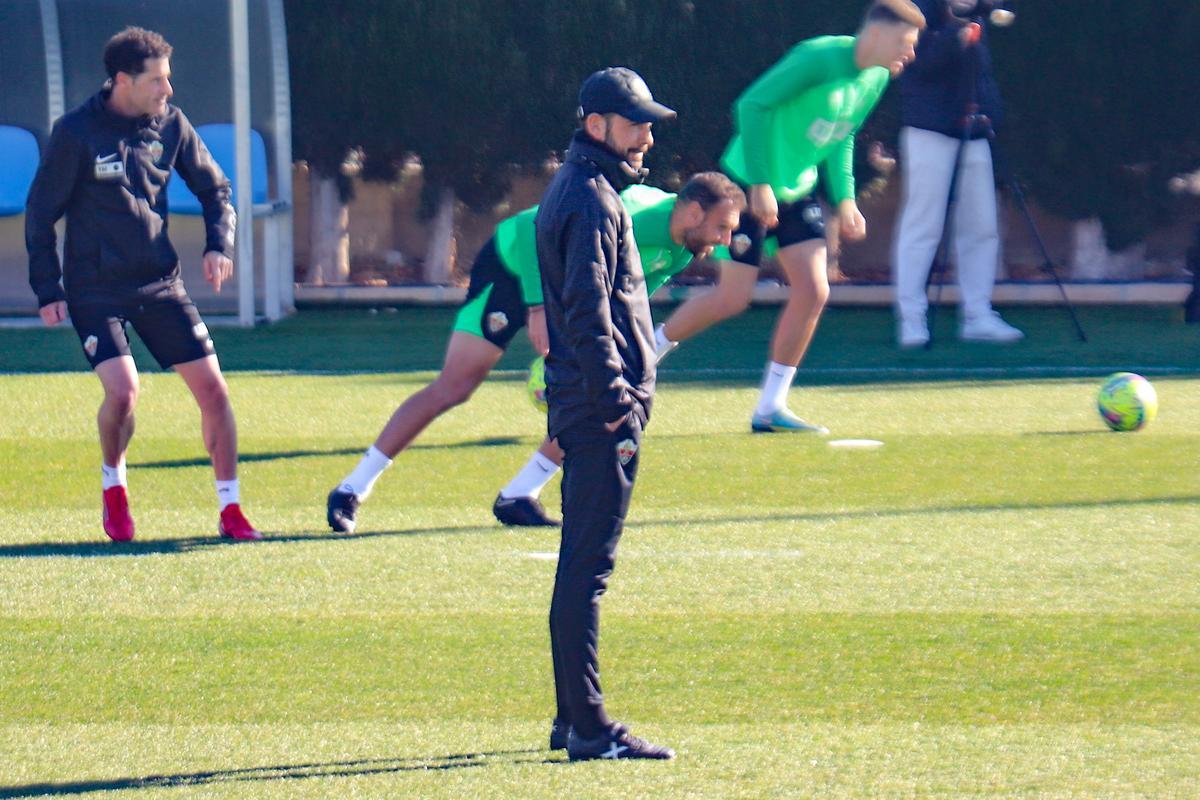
1102	96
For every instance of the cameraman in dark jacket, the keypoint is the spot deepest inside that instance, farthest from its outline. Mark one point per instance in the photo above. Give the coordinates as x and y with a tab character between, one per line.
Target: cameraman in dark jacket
950	80
600	382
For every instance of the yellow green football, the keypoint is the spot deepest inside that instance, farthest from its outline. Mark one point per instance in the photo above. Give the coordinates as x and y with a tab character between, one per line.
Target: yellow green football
1127	402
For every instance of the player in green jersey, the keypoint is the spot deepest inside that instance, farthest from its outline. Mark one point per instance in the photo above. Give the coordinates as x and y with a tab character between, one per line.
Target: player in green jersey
794	122
663	257
505	294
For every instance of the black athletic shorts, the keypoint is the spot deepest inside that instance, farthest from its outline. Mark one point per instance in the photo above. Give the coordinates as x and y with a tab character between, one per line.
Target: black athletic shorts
165	319
494	309
799	221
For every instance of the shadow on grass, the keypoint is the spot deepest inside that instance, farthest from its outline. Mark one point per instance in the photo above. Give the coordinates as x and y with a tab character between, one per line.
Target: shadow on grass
152	547
104	549
246	458
869	513
1089	432
287	772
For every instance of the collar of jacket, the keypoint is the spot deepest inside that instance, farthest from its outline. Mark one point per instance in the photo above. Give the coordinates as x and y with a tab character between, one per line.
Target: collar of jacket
586	150
143	128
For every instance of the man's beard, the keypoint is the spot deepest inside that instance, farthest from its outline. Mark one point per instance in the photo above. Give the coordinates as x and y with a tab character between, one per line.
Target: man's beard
697	248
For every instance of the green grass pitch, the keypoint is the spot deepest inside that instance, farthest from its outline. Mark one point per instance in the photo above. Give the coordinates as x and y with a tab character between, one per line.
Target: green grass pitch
1003	601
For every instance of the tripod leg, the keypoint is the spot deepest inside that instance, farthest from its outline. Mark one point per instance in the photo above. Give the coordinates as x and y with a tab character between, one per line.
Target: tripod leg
1048	266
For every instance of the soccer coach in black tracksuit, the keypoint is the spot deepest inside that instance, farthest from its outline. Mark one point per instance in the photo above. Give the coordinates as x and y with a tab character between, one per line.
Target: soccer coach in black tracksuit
600	382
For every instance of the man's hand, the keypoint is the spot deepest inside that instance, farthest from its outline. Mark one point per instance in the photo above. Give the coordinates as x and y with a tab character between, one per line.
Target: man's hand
535	322
217	269
53	313
763	205
852	225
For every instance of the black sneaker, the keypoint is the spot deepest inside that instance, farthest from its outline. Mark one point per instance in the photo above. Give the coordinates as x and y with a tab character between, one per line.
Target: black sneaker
618	743
559	733
341	506
525	512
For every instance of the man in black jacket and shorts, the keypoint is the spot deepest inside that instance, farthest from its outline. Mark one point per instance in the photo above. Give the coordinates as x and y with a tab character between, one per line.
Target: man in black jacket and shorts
106	169
600	381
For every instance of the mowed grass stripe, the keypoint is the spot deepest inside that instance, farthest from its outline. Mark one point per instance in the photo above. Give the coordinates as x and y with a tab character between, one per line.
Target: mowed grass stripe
505	760
709	668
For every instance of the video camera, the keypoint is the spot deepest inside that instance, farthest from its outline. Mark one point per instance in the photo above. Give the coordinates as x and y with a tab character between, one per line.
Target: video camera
996	12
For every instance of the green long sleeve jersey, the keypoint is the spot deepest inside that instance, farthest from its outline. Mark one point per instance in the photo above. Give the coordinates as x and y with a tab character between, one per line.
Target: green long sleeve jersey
650	210
801	115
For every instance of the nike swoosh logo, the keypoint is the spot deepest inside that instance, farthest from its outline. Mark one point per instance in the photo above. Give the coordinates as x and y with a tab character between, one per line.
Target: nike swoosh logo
107	159
505	502
614	752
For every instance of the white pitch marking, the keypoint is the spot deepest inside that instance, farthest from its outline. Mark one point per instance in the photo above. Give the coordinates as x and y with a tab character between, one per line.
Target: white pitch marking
856	444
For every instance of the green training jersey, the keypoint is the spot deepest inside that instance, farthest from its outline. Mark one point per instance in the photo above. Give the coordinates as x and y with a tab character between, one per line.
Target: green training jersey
801	114
650	210
517	248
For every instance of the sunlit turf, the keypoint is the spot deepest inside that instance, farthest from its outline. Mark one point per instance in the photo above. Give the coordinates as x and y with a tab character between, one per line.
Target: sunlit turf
1002	601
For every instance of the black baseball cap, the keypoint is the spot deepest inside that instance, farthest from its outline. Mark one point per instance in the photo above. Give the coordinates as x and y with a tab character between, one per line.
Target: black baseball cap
620	90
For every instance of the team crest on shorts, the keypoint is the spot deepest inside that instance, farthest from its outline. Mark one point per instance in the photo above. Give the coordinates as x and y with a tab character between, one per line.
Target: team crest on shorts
497	321
89	346
740	244
156	150
812	214
626	450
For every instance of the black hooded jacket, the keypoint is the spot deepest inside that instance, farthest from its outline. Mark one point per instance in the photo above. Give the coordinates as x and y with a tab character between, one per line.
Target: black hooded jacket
108	174
936	88
601	361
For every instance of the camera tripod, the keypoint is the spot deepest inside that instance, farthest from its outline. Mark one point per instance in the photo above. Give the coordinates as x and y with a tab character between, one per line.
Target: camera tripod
974	121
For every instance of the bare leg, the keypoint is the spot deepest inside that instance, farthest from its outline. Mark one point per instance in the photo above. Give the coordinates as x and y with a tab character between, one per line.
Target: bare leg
550	449
217	424
119	377
730	297
804	265
468	361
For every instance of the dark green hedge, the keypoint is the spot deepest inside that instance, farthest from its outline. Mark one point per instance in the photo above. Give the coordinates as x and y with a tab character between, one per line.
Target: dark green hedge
1103	97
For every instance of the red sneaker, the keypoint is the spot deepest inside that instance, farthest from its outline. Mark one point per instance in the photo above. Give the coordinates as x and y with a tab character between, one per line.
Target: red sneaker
234	525
118	523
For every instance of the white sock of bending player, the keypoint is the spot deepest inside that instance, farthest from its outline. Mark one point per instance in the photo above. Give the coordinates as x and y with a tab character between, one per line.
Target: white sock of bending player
532	478
776	382
362	479
662	345
228	493
112	476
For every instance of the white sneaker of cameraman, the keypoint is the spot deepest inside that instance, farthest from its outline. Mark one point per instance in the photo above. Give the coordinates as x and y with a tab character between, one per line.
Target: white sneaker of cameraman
912	332
989	328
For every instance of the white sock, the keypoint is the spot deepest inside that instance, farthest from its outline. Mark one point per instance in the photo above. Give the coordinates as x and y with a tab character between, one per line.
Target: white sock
228	493
662	345
532	478
112	476
363	478
776	382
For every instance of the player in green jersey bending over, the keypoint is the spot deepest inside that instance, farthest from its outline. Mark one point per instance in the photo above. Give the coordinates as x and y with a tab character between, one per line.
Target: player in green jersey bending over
505	294
796	120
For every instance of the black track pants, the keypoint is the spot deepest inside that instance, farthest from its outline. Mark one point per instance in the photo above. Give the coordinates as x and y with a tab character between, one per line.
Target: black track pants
598	476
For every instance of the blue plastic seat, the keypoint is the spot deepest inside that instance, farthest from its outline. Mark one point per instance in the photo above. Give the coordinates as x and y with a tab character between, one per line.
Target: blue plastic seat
218	137
18	164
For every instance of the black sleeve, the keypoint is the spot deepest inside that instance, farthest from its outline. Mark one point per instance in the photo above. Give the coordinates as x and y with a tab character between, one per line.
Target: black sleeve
939	47
204	177
49	194
589	257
